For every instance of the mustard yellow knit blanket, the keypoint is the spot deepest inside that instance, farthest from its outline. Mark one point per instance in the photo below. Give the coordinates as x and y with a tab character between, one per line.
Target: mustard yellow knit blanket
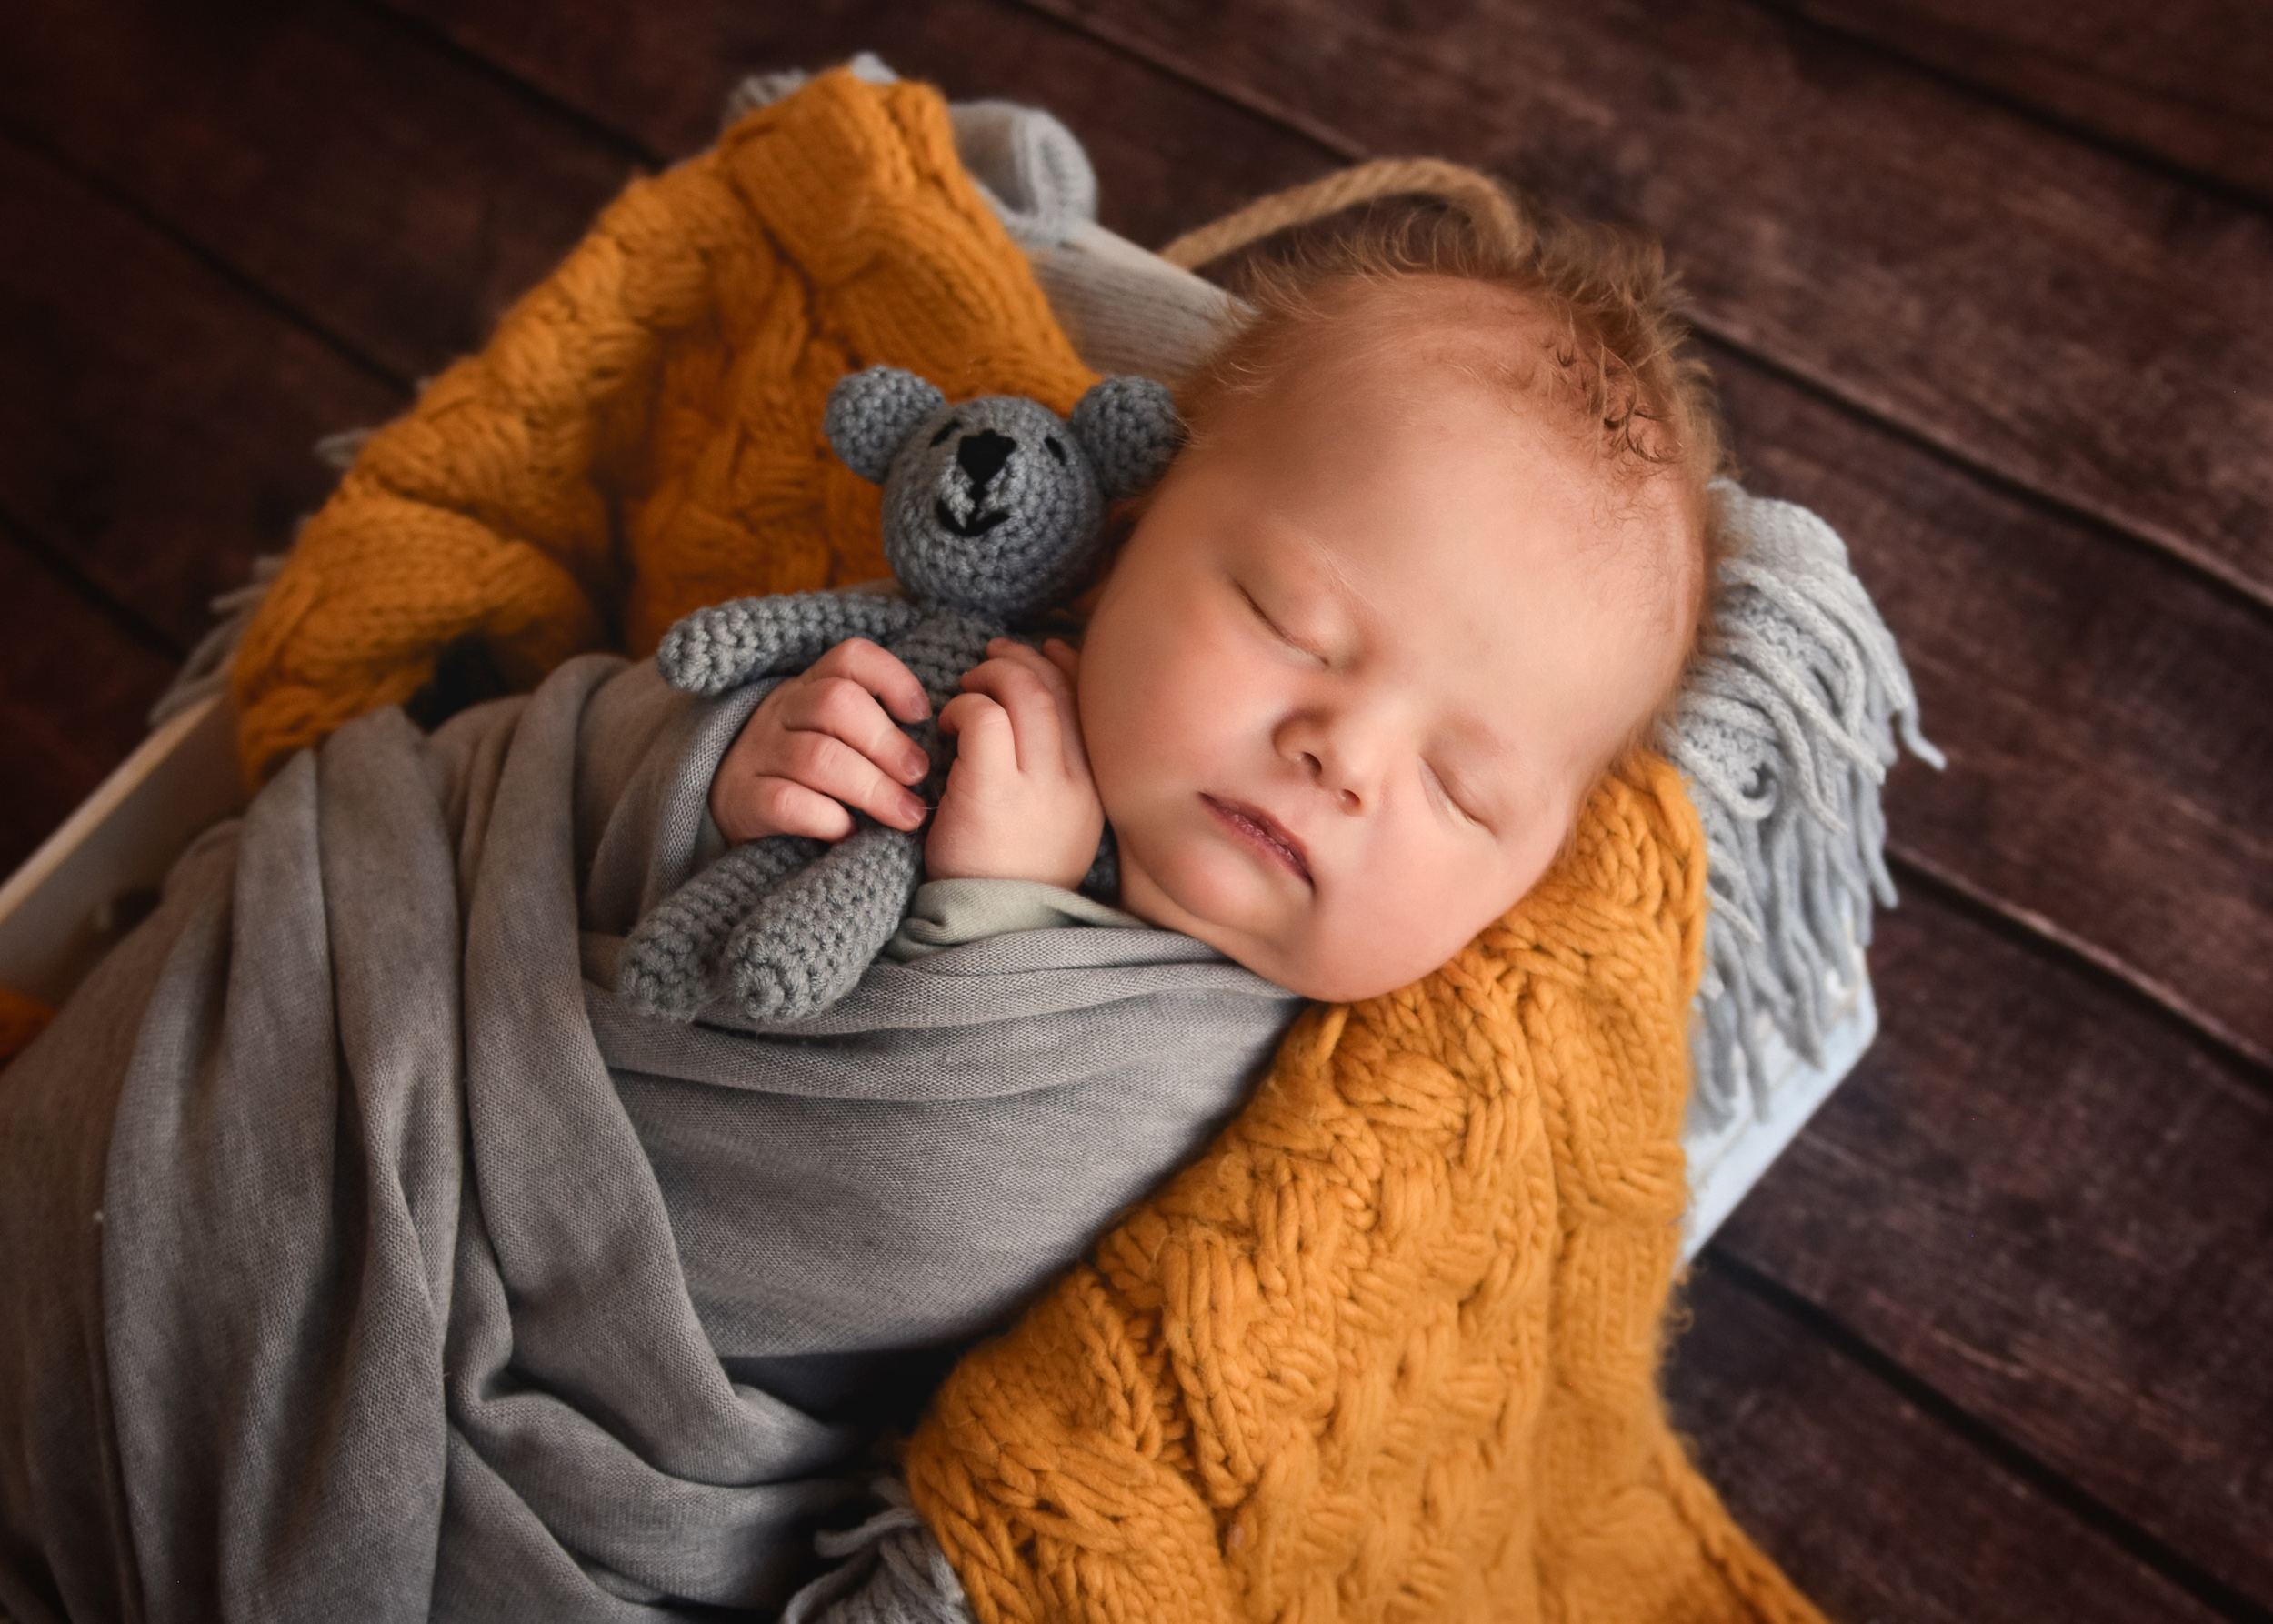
642	436
1388	1351
1389	1348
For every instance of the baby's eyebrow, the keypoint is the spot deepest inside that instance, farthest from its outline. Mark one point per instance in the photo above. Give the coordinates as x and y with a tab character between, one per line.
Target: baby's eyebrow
1338	576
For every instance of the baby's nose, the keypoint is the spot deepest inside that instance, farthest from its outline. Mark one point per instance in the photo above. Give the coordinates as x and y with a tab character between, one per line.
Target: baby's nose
1347	799
981	456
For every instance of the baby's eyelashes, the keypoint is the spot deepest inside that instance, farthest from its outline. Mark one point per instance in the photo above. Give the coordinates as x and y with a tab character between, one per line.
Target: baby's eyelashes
1442	788
1297	643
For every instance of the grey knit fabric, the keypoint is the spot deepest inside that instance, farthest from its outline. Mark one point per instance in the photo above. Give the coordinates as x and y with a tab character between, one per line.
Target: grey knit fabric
362	1256
993	511
674	963
997	505
867	423
890	1571
716	650
1130	428
1786	735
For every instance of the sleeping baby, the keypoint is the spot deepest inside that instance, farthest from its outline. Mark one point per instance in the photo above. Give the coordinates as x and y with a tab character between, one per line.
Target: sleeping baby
1433	557
425	1277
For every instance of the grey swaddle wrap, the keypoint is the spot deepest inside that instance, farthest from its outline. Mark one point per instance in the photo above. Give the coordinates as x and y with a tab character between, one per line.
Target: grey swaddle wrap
420	1279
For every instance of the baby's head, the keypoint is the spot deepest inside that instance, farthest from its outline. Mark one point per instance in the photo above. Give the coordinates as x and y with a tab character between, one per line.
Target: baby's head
1432	558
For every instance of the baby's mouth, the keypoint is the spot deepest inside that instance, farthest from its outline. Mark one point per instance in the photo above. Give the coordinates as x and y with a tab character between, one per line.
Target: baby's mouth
1263	832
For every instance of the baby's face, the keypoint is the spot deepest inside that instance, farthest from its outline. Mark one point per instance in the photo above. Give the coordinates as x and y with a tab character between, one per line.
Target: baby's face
1357	664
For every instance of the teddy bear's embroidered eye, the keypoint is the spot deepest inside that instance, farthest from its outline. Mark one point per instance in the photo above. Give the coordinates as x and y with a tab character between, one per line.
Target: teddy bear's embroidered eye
941	436
1050	443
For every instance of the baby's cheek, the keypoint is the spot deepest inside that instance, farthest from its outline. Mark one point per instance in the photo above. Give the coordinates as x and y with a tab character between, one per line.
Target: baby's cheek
1411	920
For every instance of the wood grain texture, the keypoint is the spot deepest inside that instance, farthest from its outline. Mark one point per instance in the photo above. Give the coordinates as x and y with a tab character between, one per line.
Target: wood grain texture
2070	320
394	195
75	688
2108	719
1806	1448
2052	1207
1170	157
155	417
2189	81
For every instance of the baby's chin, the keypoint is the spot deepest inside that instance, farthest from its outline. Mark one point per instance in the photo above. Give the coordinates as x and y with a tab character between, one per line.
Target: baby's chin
1307	965
1331	977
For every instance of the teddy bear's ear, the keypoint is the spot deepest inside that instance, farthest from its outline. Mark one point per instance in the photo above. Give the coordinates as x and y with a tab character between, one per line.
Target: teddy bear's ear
872	413
1130	428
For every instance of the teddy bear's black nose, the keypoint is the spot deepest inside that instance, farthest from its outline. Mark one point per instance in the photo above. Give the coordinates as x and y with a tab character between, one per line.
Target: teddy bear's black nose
981	456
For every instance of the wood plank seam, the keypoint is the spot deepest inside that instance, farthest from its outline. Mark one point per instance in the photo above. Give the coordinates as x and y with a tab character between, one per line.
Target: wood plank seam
2169	543
137	626
2221	577
1327	139
2006	1454
2012	919
232	275
2009	102
633	150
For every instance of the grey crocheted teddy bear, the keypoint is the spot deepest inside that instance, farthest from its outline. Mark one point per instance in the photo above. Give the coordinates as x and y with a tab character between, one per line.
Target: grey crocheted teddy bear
994	511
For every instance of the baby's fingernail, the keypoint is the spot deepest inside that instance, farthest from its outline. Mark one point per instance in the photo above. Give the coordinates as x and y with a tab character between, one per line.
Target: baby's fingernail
911	809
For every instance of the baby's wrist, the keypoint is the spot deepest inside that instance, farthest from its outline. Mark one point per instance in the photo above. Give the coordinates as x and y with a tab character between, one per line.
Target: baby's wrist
1058	857
1065	876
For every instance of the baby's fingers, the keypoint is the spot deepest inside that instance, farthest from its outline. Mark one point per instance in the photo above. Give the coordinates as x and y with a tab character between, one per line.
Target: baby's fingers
986	743
1040	704
769	787
840	708
783	807
878	671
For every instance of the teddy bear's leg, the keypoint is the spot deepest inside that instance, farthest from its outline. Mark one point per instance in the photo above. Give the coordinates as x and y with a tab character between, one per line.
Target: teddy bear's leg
670	962
808	939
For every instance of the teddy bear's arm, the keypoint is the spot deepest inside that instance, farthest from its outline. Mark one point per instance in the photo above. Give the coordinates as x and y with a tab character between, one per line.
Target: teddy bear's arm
718	648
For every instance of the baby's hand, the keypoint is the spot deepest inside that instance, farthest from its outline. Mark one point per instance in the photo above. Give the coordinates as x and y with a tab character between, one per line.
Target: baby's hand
1019	803
824	741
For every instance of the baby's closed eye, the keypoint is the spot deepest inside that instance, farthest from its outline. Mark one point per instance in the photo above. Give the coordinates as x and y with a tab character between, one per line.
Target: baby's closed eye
1457	795
1278	631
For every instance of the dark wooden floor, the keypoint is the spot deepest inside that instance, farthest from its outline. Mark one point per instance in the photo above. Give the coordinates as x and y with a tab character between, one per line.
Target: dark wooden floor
1991	286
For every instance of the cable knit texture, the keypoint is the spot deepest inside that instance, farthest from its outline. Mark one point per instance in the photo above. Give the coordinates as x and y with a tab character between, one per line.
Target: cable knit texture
643	434
1388	1350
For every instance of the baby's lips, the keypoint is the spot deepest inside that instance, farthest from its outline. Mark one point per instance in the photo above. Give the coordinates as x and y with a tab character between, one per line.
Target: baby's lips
1266	831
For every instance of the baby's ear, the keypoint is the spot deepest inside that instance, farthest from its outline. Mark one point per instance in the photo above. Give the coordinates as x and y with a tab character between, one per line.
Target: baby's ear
1130	428
872	413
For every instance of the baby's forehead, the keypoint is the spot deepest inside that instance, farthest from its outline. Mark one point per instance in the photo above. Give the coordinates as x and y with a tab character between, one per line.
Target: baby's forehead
1410	423
1387	332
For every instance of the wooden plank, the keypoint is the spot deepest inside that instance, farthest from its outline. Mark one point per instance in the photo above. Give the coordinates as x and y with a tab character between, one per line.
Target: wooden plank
2106	717
2051	1205
75	686
395	194
155	417
2188	81
2072	321
1170	157
1874	1508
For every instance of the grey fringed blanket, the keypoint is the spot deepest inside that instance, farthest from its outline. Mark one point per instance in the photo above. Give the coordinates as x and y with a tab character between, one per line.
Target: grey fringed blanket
364	1258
